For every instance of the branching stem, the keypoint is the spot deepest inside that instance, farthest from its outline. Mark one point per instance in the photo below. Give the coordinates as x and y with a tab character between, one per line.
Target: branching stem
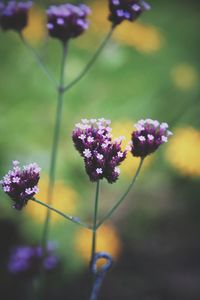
75	220
109	214
91	62
55	143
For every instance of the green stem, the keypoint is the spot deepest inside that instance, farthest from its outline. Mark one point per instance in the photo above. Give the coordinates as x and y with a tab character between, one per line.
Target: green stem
68	217
91	62
39	61
94	230
109	214
55	146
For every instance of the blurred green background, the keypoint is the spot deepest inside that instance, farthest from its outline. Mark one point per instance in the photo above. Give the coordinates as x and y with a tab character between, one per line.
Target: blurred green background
149	69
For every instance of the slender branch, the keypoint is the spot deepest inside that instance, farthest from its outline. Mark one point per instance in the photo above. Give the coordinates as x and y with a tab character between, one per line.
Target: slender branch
55	145
109	214
91	62
39	61
75	220
95	221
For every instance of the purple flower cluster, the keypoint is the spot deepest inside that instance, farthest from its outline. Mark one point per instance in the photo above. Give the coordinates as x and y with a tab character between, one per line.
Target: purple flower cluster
14	15
28	259
102	156
67	21
1	7
129	10
21	184
150	134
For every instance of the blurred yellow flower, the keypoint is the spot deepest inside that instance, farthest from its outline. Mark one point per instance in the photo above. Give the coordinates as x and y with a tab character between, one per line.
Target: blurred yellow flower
144	38
108	240
64	199
36	31
183	151
99	17
130	164
184	76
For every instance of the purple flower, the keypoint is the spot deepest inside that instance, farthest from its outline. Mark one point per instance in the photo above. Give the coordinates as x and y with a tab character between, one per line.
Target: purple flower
67	21
21	184
150	134
1	7
28	259
102	156
129	10
14	15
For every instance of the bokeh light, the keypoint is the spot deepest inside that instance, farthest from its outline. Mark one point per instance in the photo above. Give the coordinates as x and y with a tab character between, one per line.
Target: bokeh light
183	151
65	199
185	76
36	30
108	240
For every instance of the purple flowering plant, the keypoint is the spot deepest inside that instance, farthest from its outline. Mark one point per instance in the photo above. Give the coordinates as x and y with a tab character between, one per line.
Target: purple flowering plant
14	15
148	137
92	138
20	184
130	10
27	260
102	156
67	21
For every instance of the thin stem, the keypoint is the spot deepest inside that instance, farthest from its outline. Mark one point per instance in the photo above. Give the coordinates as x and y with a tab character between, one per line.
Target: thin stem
91	62
95	221
55	145
39	61
109	214
75	220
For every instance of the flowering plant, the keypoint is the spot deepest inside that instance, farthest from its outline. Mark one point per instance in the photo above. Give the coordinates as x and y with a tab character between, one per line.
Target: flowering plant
92	138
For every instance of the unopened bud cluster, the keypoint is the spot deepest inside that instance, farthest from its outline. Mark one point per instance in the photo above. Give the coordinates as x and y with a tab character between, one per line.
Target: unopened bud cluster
130	10
14	15
67	21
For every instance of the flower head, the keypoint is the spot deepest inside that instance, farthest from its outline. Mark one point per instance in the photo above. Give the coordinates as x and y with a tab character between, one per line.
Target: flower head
92	139
67	21
150	134
20	184
14	15
28	259
129	10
